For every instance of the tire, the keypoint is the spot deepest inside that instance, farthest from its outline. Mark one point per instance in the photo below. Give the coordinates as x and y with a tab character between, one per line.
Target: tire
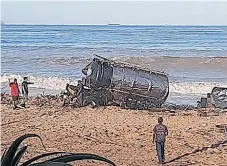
90	101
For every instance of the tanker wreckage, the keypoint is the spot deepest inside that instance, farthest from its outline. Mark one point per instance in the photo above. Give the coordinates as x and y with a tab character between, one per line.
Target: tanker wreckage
108	82
217	98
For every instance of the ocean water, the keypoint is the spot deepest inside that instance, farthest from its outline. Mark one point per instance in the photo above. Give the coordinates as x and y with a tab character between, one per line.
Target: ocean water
195	57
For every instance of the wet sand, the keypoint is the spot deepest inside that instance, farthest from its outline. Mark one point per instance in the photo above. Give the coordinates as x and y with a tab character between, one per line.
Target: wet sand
123	136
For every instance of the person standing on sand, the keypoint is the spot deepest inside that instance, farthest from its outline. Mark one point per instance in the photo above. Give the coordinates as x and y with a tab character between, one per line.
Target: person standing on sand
14	92
159	136
25	89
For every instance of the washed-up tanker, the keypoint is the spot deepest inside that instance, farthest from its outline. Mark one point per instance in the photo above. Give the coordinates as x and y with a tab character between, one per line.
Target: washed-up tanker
129	86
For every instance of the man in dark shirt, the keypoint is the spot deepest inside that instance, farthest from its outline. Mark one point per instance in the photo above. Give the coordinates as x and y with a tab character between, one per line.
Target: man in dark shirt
25	88
159	136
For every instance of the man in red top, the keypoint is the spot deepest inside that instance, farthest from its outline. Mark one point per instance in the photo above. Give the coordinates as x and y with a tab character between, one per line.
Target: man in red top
159	136
14	92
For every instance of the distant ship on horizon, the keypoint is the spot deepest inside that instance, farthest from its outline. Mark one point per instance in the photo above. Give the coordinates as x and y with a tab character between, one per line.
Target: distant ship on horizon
113	24
2	23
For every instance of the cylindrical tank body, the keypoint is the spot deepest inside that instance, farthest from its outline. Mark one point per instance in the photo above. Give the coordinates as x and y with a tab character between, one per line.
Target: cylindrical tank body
138	84
127	82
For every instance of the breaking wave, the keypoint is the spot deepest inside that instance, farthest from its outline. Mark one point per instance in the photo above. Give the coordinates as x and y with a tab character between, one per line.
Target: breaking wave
195	87
59	83
55	83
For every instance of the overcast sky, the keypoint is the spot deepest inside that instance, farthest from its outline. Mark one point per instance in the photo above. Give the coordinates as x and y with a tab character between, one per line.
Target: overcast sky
102	12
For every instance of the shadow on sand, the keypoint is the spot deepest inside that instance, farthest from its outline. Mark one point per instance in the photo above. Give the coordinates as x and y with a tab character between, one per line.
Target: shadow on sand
198	150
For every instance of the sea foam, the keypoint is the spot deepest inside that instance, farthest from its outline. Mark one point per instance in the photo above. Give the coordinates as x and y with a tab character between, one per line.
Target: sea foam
55	83
59	83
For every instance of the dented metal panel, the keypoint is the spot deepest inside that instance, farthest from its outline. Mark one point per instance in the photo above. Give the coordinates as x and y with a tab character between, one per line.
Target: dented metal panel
219	95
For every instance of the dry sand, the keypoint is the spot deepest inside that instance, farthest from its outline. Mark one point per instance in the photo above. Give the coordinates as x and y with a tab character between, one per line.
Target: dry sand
123	136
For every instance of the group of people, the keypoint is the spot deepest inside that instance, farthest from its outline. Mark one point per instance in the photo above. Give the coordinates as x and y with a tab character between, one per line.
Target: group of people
15	91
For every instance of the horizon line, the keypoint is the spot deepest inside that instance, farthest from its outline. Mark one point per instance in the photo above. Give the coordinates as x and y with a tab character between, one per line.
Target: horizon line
117	24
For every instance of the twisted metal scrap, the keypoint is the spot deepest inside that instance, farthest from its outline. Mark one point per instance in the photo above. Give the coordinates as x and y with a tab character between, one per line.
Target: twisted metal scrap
11	157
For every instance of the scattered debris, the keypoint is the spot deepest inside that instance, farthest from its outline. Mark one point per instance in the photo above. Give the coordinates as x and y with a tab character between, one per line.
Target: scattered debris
202	113
5	99
216	99
181	107
222	128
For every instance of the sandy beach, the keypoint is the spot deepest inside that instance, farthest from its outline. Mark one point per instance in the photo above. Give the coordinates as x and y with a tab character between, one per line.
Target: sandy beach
123	136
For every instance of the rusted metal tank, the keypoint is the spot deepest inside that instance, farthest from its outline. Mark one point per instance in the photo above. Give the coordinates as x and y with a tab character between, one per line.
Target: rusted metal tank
126	85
